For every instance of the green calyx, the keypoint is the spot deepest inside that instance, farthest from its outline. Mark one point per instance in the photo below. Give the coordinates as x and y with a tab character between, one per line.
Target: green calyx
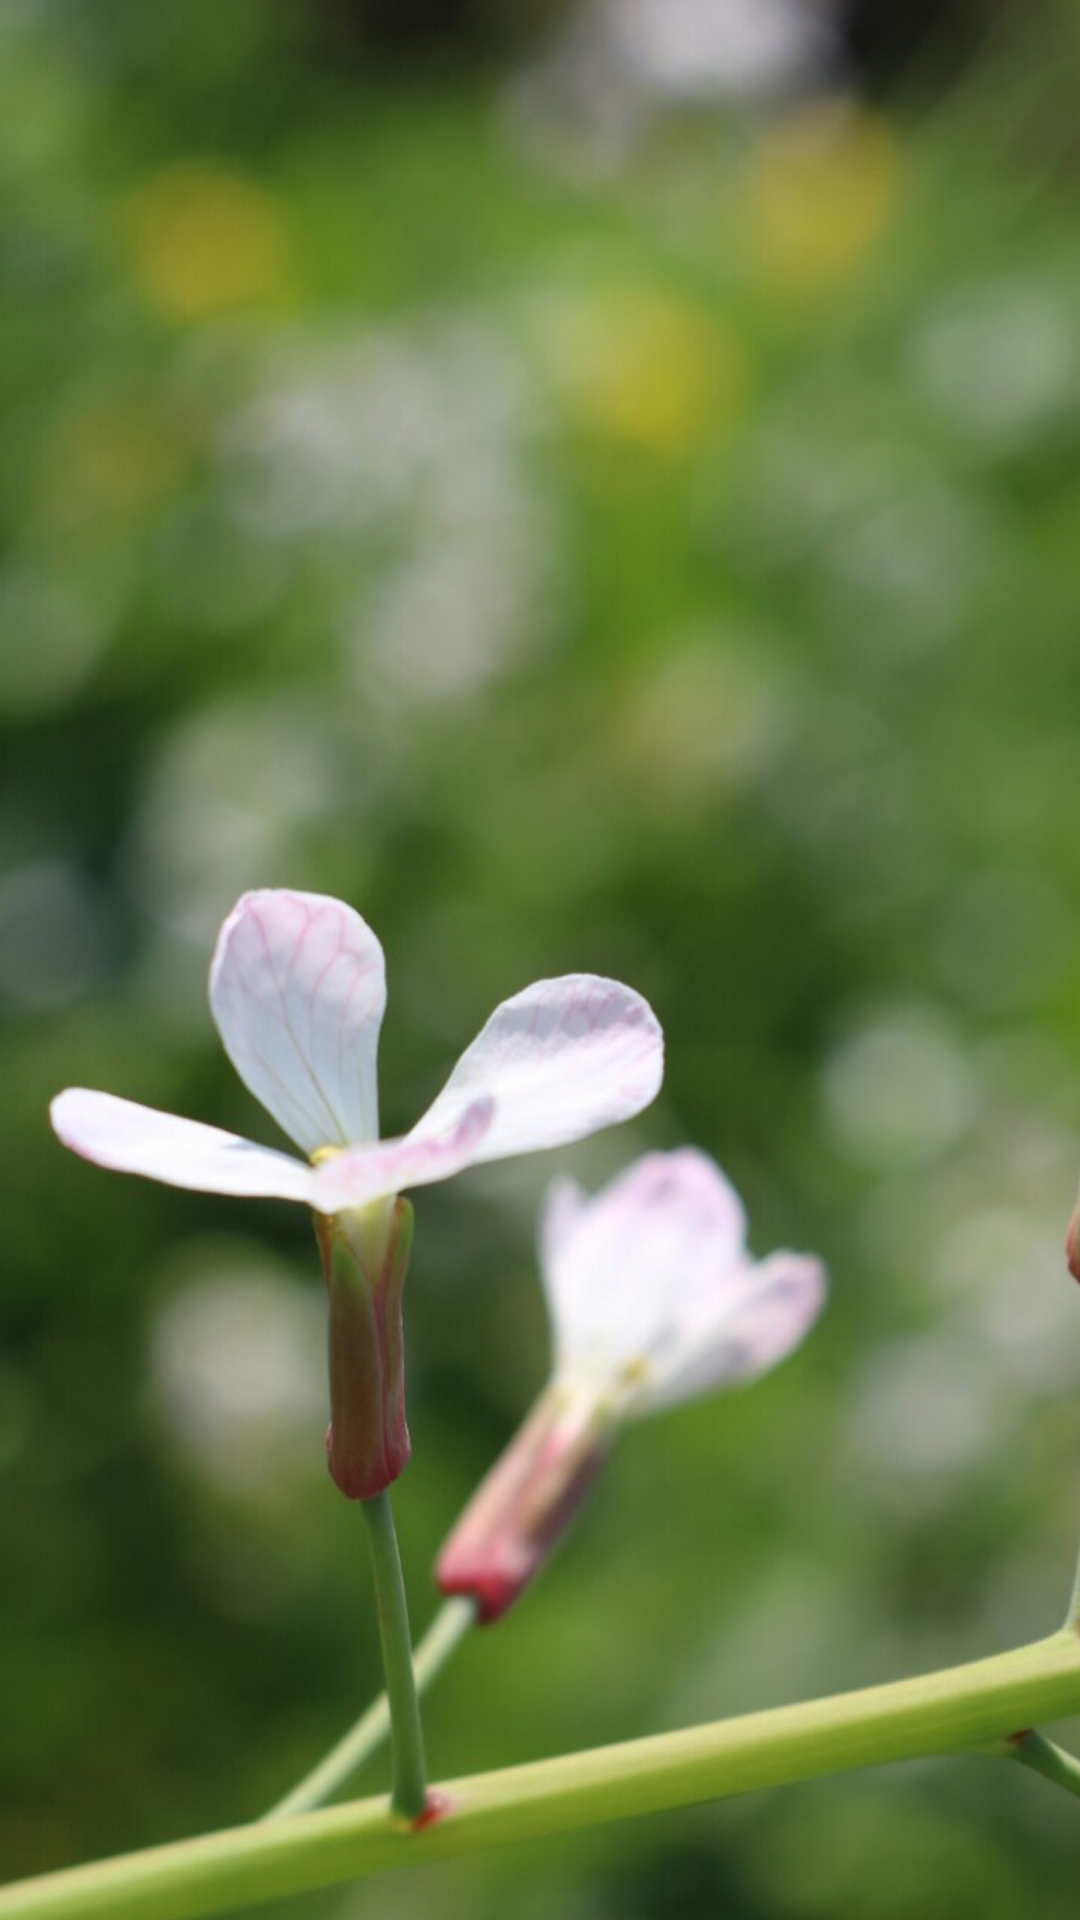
365	1255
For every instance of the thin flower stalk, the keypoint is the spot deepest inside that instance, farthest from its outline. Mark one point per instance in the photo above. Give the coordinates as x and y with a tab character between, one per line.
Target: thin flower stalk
1044	1757
408	1792
440	1642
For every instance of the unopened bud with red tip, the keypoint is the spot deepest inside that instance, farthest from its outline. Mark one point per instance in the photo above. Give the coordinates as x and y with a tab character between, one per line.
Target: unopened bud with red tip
520	1510
653	1299
365	1255
1072	1243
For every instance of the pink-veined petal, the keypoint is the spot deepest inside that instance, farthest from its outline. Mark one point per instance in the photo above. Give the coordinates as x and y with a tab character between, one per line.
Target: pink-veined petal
558	1061
361	1174
298	988
181	1153
783	1296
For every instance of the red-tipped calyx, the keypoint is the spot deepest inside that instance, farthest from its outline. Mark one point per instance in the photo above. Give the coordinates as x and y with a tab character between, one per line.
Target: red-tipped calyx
365	1255
519	1512
1072	1243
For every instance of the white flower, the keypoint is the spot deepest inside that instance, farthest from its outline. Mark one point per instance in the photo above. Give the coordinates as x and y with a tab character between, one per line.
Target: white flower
653	1299
297	987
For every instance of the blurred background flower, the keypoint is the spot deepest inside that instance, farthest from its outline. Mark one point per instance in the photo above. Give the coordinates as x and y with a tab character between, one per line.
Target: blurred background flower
595	485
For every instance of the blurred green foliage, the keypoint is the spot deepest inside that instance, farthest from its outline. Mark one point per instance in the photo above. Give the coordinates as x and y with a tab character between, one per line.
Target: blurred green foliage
653	552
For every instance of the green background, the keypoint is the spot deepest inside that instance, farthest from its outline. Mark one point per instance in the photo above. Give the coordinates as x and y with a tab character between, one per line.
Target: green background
639	540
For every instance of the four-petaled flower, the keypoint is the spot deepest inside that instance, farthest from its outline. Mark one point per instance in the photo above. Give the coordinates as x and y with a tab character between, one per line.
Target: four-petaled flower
653	1299
297	987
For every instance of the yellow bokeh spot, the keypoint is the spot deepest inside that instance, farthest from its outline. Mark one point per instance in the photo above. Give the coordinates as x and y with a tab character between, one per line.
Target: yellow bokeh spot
203	239
646	368
820	190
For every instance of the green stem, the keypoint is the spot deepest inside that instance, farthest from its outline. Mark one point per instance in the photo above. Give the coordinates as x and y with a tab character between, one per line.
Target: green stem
408	1793
1036	1751
963	1708
445	1634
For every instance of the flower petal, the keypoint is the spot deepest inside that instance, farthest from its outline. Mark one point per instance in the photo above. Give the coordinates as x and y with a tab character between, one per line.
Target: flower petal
361	1174
786	1292
653	1296
558	1061
627	1269
182	1153
298	988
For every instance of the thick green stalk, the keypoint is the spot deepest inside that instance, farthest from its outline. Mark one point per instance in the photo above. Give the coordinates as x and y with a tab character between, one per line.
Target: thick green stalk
408	1793
445	1634
970	1707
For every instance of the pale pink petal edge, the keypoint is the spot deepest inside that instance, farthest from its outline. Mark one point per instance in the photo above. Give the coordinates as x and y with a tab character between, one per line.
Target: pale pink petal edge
129	1138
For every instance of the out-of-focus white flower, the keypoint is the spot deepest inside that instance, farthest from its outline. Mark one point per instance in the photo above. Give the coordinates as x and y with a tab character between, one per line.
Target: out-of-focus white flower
298	987
999	358
711	49
653	1299
615	58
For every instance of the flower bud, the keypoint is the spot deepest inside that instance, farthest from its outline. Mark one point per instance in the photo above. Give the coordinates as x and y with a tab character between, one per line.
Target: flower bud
518	1513
365	1255
1072	1243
